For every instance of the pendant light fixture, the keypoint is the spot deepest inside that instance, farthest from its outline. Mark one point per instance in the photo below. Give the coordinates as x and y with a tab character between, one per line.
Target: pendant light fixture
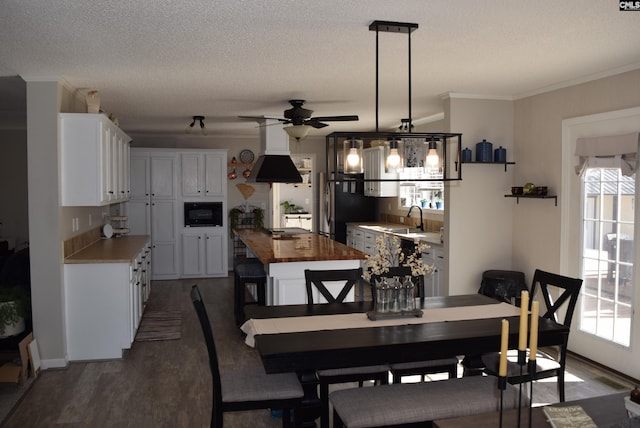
353	156
203	129
433	159
392	153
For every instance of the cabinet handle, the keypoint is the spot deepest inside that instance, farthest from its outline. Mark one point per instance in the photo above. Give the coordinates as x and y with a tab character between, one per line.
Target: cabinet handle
110	192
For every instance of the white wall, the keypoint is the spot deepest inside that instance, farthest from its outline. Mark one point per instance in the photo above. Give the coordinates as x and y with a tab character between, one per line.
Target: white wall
478	218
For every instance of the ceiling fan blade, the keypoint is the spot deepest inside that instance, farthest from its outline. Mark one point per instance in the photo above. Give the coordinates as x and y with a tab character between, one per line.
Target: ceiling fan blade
335	118
263	117
315	123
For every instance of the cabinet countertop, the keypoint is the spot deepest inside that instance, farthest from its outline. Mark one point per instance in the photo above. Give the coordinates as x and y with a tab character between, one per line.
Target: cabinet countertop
113	250
299	248
431	238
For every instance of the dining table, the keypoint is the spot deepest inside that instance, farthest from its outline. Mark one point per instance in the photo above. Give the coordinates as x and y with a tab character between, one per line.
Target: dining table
306	338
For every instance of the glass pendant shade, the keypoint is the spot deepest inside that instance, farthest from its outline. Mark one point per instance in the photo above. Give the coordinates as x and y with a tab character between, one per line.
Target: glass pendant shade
393	156
353	156
433	159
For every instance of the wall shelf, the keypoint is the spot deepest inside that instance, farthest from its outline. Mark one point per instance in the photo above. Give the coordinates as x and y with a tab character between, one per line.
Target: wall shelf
554	197
490	163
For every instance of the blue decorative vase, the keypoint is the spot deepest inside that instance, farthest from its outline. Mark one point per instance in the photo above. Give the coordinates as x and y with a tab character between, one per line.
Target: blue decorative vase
500	155
466	155
484	151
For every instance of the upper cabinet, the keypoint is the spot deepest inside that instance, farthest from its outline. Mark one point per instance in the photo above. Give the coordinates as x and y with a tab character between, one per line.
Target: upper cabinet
95	160
204	174
374	170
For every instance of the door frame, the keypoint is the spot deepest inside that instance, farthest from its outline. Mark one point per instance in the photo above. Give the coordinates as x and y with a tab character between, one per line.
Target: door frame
616	356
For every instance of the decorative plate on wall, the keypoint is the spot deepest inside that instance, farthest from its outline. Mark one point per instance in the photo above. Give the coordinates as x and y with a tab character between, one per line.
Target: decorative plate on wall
246	156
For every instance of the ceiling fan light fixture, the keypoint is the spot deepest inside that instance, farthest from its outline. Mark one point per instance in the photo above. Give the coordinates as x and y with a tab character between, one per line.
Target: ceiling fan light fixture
200	119
298	131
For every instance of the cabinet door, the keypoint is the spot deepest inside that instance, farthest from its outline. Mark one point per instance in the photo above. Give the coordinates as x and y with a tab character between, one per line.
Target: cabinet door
139	217
165	265
163	220
106	145
192	252
163	177
192	174
139	176
216	255
215	175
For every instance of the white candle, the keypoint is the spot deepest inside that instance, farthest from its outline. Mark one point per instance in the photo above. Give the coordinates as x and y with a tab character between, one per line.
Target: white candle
504	345
533	338
524	315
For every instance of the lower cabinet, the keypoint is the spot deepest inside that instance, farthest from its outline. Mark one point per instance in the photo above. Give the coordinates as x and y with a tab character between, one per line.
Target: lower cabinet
104	303
204	253
434	283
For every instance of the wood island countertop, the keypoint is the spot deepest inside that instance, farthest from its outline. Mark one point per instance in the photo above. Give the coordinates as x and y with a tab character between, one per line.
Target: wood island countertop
298	248
113	250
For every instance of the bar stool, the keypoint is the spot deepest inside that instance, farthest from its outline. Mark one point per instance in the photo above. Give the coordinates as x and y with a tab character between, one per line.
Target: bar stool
247	271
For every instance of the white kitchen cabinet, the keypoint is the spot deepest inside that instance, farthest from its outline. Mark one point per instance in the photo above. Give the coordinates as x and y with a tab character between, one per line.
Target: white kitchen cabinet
204	174
370	242
303	221
153	207
104	305
204	253
374	170
432	282
94	160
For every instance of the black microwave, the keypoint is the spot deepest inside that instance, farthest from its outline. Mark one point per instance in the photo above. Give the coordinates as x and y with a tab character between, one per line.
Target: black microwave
202	214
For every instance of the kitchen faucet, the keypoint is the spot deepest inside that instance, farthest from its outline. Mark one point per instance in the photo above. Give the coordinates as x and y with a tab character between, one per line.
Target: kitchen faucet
421	225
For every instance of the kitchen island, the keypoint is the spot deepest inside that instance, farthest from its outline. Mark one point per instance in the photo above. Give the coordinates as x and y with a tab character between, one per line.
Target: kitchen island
285	257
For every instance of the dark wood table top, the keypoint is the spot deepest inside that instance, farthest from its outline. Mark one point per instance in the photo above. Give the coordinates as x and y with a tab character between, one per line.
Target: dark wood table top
606	411
298	248
312	350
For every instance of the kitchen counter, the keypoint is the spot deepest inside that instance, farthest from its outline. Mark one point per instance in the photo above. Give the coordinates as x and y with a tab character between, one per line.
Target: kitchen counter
286	258
297	248
112	250
403	232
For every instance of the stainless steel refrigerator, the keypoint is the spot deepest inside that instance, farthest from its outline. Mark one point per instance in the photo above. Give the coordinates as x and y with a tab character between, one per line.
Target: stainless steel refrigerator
342	202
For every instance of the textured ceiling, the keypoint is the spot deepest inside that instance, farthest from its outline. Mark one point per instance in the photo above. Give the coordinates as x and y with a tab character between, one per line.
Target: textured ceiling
158	62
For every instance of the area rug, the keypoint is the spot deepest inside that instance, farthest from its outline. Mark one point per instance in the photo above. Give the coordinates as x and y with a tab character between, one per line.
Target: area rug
159	325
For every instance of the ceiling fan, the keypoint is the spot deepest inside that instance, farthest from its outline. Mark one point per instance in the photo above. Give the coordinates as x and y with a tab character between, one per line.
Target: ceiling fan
301	120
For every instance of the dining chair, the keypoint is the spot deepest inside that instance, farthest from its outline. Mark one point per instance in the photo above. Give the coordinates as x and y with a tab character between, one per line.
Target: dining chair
547	364
351	278
416	368
247	388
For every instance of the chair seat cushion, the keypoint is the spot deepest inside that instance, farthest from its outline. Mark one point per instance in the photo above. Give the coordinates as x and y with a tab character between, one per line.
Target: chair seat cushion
253	384
250	270
405	403
353	371
425	364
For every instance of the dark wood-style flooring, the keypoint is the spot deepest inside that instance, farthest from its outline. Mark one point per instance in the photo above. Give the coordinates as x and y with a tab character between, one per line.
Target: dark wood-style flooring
168	383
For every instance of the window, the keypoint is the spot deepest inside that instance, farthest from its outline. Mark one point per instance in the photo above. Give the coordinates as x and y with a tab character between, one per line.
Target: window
607	253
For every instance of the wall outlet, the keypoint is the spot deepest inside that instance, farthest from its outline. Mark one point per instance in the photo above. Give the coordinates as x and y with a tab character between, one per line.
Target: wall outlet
401	219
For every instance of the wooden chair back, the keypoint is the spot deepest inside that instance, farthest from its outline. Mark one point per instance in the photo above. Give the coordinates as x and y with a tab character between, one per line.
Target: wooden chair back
318	278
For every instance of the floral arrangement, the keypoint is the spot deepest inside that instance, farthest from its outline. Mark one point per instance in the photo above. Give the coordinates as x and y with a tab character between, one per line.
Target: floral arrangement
389	253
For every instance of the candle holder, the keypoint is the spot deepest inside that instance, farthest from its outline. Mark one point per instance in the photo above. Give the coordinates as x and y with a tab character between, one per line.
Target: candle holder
522	361
531	366
502	385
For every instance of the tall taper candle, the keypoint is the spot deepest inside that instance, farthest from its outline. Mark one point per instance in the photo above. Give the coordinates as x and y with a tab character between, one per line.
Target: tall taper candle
504	345
533	337
524	315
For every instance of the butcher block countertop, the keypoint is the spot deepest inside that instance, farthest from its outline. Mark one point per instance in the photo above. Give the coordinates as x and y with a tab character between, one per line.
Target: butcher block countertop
113	250
297	248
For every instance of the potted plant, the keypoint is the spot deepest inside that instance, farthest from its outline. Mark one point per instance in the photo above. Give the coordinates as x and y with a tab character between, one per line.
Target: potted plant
15	307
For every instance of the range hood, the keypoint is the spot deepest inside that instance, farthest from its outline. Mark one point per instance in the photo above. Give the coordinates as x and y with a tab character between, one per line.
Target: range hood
274	165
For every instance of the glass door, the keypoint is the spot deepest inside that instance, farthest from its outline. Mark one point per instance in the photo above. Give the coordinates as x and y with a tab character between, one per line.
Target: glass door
608	213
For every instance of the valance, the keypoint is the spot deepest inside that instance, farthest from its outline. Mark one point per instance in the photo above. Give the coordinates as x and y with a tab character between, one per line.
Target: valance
614	151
